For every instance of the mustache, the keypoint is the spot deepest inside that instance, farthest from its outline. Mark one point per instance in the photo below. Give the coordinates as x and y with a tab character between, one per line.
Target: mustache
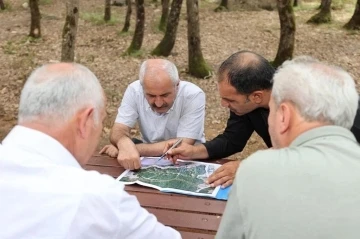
161	107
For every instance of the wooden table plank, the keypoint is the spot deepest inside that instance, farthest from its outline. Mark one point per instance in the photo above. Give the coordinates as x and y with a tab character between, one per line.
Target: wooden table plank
174	202
187	220
195	235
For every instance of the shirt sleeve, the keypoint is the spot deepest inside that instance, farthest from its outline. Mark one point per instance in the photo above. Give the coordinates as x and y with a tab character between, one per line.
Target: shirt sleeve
236	134
127	112
232	222
191	123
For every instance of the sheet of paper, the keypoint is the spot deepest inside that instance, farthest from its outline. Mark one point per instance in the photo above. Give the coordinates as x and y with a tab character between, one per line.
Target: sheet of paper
186	177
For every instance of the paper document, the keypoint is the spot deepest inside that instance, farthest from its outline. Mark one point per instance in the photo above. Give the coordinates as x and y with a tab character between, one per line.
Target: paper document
186	177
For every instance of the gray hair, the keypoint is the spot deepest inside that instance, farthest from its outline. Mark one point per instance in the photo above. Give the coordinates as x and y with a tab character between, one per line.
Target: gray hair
165	65
55	95
320	92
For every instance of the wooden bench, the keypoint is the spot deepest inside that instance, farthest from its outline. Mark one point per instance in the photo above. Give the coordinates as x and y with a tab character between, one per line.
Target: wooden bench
193	217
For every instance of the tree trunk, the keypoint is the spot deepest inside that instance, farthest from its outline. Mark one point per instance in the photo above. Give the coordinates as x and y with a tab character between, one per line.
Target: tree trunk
127	17
167	43
164	15
107	15
354	23
287	32
35	29
197	65
139	28
70	30
224	6
297	3
324	16
2	5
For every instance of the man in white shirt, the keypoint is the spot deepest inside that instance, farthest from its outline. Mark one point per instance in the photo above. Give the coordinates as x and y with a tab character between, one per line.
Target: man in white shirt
44	192
165	108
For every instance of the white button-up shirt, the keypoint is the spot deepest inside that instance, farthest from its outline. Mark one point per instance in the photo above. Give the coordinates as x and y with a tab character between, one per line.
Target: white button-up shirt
44	193
185	119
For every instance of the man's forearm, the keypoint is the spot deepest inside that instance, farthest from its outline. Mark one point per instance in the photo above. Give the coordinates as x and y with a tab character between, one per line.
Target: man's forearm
200	152
148	150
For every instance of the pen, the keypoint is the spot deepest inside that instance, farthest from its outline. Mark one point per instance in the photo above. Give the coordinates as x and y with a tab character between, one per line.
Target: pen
174	146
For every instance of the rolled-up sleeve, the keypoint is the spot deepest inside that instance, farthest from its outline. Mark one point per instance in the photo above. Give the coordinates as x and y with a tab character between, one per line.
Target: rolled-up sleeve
128	111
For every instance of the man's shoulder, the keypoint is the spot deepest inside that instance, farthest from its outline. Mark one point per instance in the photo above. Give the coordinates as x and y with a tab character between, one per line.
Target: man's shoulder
188	88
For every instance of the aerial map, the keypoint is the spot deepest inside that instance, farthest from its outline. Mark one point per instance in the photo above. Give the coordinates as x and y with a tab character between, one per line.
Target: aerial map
185	177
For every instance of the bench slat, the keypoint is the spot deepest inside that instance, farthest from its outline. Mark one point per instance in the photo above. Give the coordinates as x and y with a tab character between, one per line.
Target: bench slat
195	235
186	219
175	202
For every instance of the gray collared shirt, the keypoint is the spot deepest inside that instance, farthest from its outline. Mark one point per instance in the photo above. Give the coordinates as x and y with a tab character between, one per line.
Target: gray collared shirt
184	119
310	189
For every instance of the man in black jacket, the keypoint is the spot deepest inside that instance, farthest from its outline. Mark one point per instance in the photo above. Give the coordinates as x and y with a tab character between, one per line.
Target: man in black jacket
244	83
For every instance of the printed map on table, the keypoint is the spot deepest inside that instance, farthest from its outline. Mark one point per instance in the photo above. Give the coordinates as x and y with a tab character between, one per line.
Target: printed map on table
185	177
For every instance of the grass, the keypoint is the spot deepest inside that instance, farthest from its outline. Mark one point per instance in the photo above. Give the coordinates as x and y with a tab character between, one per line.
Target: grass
45	2
98	18
9	48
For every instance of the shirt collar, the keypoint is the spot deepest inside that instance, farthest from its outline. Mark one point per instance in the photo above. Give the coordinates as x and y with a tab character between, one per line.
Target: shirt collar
323	131
40	143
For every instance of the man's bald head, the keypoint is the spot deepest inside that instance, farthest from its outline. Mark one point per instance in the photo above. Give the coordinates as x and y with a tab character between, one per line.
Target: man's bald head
152	68
247	72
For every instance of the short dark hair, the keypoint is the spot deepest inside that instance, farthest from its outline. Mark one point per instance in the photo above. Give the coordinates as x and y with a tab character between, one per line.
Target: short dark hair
247	72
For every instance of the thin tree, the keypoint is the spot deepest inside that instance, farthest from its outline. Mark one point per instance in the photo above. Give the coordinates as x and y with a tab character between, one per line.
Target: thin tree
35	29
297	3
107	15
324	16
287	32
354	23
2	5
164	15
127	17
70	30
139	28
197	65
224	6
167	43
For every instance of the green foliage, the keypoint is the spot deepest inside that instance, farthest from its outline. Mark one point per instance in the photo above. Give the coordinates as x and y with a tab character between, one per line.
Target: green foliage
8	6
45	2
98	18
134	53
9	48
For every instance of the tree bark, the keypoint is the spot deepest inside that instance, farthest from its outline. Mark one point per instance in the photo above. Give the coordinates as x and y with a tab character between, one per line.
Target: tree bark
224	6
2	5
354	23
70	30
297	3
164	15
167	43
324	16
35	29
107	15
127	17
197	65
139	28
287	32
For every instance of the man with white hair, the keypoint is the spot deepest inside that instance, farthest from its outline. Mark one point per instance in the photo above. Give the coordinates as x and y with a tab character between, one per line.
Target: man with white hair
164	107
44	191
307	185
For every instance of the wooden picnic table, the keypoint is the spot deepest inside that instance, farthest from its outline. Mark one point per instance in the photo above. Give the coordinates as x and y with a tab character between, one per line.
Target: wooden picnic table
193	217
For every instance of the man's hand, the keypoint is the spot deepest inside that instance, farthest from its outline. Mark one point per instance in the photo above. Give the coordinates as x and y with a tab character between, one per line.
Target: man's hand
224	175
183	151
129	159
110	150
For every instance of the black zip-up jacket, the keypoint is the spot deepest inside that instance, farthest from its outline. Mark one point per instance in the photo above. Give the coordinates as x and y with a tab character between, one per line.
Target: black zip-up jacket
356	126
237	132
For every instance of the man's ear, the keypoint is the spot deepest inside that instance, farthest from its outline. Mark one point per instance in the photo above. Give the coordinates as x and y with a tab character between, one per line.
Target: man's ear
257	96
285	117
85	121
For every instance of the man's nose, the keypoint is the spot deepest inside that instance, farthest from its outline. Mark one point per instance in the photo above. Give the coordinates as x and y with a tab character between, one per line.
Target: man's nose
224	103
158	102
